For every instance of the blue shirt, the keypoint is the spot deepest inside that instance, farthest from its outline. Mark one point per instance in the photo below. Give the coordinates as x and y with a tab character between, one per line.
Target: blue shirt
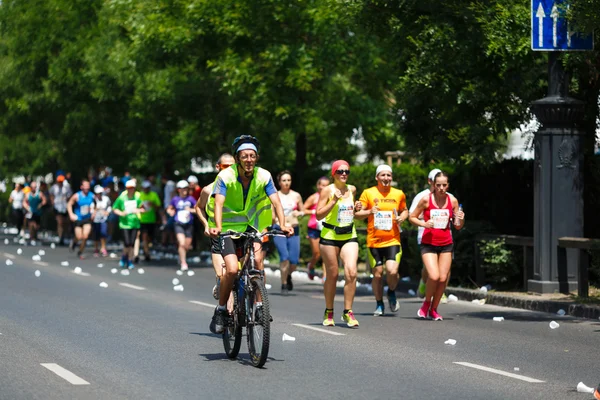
221	189
84	203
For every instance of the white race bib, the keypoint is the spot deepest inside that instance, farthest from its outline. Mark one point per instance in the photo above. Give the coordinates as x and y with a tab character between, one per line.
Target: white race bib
28	215
99	216
383	220
183	216
84	210
345	215
130	206
148	205
440	218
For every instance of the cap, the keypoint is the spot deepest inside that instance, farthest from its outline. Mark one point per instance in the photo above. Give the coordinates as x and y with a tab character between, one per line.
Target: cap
60	178
98	189
130	183
382	168
247	146
192	179
146	184
337	164
433	173
182	184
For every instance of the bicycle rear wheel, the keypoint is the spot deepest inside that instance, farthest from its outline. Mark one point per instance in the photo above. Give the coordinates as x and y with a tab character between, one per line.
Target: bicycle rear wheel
259	324
232	335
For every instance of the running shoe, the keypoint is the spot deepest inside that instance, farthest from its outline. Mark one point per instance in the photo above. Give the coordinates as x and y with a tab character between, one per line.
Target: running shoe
130	265
184	267
424	310
444	299
104	252
290	285
217	324
122	263
421	289
72	245
394	303
433	314
328	318
147	258
80	255
379	311
96	253
349	319
136	260
311	272
284	289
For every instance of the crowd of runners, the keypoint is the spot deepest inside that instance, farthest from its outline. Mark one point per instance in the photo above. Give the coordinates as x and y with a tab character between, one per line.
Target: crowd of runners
245	196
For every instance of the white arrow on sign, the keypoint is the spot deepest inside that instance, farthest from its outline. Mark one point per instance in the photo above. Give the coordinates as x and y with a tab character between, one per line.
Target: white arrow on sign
540	14
554	16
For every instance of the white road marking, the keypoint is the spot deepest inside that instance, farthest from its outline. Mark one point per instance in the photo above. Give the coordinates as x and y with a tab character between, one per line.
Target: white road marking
8	255
81	273
202	304
499	372
65	374
132	286
314	328
42	263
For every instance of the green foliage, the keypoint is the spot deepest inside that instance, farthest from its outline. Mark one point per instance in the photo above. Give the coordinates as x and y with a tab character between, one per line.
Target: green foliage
499	263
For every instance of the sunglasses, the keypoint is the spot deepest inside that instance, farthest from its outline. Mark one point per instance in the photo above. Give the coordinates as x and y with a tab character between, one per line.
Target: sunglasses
223	166
342	172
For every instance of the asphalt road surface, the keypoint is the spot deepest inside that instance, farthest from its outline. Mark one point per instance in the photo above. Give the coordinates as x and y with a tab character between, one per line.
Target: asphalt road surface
62	336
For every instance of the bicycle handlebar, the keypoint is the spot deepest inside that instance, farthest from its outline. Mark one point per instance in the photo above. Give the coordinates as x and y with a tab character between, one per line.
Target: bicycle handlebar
253	234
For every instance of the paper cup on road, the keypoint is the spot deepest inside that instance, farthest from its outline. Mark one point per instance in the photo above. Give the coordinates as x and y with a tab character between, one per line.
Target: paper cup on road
103	285
412	292
517	369
64	263
583	388
125	272
498	319
19	251
267	286
52	246
178	288
561	312
113	255
288	338
77	270
141	271
9	262
191	273
42	253
554	325
179	272
37	273
113	271
100	265
175	281
36	258
450	342
452	298
6	241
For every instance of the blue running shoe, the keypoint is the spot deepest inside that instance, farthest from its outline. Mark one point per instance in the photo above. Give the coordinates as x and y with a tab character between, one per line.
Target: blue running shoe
130	265
379	311
394	303
122	263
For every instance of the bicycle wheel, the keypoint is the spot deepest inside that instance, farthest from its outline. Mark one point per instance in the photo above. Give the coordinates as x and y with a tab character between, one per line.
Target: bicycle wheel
259	324
232	335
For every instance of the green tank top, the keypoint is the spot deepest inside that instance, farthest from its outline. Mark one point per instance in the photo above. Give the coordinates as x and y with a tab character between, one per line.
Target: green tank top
341	215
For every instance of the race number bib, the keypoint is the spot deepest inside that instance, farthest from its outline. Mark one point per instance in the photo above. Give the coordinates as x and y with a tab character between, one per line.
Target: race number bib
383	220
183	216
28	215
130	206
345	215
148	205
99	216
440	218
84	210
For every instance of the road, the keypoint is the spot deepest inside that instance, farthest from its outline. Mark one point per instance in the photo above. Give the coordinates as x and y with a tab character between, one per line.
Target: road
65	337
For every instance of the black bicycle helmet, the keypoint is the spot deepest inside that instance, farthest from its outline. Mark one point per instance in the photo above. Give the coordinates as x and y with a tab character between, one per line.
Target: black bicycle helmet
238	141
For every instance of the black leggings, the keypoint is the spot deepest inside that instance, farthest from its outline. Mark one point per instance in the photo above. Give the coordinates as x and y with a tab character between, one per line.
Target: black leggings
18	218
129	236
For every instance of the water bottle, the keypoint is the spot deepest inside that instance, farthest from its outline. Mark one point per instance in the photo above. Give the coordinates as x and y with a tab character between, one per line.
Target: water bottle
456	220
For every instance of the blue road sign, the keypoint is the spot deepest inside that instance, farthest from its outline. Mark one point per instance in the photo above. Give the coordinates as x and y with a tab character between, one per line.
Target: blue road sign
550	30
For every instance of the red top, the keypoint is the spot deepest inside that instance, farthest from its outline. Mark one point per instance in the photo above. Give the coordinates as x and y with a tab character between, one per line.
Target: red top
196	192
440	234
312	221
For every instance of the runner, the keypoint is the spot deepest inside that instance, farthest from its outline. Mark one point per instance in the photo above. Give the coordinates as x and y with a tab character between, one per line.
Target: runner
82	217
33	203
195	190
100	225
60	193
182	209
243	196
338	240
152	206
16	199
314	227
205	209
288	247
439	210
385	208
128	206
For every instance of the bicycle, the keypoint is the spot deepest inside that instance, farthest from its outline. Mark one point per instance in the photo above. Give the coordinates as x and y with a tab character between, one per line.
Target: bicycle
247	289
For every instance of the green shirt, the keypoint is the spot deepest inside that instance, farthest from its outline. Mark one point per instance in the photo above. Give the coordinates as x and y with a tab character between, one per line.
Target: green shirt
149	217
124	203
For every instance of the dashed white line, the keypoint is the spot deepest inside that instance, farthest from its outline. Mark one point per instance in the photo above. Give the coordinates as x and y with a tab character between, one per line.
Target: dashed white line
65	374
314	328
499	372
8	255
130	286
202	304
81	273
41	263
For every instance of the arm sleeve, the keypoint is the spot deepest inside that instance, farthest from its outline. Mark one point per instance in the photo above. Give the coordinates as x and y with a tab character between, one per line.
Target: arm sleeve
219	187
270	188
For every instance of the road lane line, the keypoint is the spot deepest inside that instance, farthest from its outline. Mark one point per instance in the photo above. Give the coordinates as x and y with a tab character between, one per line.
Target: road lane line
41	263
65	374
8	255
320	329
129	285
81	273
499	372
202	304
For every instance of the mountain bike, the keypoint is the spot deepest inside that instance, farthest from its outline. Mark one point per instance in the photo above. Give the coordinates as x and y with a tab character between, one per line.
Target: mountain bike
248	289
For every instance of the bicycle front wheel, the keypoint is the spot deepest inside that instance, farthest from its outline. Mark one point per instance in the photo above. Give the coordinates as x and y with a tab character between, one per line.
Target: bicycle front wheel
232	335
259	323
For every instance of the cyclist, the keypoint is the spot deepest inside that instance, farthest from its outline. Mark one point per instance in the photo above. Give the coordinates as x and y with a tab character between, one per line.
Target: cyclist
339	240
243	196
205	209
385	208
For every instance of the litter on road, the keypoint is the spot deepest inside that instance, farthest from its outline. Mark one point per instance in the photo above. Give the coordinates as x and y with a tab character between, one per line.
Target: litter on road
36	258
561	312
451	342
125	272
452	298
191	273
141	271
175	281
42	253
100	265
19	251
113	271
288	338
179	272
37	273
103	285
498	319
9	262
64	263
77	270
583	388
554	325
178	288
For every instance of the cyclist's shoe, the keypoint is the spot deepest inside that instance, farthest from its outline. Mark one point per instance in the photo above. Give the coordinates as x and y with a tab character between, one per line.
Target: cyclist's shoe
379	311
394	303
349	319
328	318
217	325
424	310
290	285
433	314
421	290
444	299
284	290
217	289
